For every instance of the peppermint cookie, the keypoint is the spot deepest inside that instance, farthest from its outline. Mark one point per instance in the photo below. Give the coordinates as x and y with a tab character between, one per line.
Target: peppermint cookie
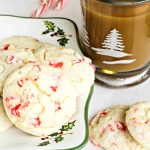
24	42
79	69
108	130
138	123
4	121
11	60
39	99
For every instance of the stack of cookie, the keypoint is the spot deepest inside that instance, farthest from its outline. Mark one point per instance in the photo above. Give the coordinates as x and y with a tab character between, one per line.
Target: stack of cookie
122	128
39	84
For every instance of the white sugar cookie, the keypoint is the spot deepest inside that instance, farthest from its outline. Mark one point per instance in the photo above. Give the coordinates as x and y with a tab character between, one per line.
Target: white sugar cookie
78	68
4	121
25	42
39	99
10	60
108	130
138	123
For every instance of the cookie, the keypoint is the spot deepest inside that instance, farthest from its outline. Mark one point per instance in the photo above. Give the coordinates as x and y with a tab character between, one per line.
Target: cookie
24	42
79	69
10	60
138	123
39	99
108	130
4	121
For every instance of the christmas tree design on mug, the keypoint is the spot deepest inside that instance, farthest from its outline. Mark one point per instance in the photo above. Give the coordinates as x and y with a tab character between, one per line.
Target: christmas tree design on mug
113	46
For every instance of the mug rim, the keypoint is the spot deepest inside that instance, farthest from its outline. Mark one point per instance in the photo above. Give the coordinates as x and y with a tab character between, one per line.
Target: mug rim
124	3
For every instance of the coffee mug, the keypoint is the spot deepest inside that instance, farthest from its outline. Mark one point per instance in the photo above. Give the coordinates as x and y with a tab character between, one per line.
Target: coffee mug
117	38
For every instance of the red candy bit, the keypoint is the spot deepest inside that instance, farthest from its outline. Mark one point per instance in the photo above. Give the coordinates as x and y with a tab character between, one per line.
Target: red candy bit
121	126
57	106
36	78
92	141
102	132
25	105
54	88
57	65
146	122
37	122
102	114
7	99
10	59
15	110
110	127
20	83
37	67
6	46
79	60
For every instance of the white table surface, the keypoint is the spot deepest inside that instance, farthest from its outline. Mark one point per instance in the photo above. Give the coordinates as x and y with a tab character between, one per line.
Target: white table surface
73	11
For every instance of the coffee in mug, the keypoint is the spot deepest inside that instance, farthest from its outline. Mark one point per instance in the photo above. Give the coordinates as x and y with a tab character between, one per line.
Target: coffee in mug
117	38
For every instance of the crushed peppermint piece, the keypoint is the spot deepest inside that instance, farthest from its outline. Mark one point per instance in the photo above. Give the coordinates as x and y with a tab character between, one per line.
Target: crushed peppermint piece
37	67
14	110
79	60
58	107
37	122
6	46
36	78
92	141
56	65
111	128
10	59
25	105
54	88
7	99
102	114
121	126
20	83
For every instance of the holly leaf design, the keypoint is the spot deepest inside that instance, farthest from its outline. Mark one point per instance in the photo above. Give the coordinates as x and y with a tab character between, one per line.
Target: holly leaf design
46	32
50	27
63	41
68	127
45	143
59	138
54	134
60	31
56	32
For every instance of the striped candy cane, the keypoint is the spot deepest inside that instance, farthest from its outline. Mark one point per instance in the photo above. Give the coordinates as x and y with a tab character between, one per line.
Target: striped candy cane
42	2
50	3
47	4
39	11
60	4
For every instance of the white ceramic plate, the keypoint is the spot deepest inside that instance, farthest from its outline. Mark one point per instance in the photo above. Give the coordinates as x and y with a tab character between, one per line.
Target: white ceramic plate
77	136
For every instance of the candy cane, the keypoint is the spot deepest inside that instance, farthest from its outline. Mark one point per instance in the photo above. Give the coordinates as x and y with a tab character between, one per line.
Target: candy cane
47	4
40	11
50	3
60	4
42	2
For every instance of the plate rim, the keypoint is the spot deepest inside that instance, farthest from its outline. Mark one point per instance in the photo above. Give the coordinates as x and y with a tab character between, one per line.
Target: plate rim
86	109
